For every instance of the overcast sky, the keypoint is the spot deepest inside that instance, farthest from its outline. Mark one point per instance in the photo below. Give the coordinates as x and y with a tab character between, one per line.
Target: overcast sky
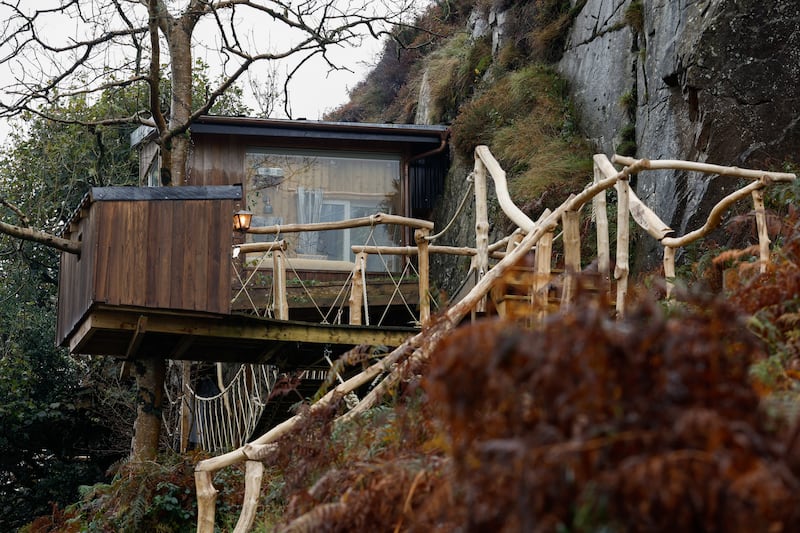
313	91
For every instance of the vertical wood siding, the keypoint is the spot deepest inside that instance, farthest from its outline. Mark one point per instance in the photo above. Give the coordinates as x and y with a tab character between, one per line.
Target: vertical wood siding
171	254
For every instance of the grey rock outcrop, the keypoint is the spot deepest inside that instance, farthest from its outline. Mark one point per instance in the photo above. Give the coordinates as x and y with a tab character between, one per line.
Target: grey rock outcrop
715	80
601	69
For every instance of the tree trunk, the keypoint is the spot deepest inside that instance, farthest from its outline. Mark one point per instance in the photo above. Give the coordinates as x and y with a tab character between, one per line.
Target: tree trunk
180	110
149	375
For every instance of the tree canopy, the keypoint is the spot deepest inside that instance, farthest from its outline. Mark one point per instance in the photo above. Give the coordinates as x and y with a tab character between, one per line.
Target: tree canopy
63	419
63	48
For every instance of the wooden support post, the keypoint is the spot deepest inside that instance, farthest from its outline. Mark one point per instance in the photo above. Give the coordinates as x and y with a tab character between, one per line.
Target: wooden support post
281	302
186	406
206	500
254	472
473	268
541	279
622	268
149	374
357	289
572	254
600	209
669	269
481	225
763	233
423	265
136	338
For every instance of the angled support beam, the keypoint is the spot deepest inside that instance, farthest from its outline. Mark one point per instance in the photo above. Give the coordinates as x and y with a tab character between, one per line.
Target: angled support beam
136	338
182	347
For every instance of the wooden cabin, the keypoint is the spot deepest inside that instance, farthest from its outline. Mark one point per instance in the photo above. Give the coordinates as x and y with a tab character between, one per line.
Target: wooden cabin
156	275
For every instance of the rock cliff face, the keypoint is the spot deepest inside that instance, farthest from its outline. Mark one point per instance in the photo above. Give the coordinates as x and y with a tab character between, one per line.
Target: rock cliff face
713	80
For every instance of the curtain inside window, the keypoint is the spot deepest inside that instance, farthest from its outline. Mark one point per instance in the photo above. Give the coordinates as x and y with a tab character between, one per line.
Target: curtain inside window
309	209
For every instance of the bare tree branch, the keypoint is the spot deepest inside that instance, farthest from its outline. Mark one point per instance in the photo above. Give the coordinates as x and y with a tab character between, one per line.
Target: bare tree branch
23	218
30	234
52	53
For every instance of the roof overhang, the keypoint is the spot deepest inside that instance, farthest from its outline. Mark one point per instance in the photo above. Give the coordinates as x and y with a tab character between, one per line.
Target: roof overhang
321	130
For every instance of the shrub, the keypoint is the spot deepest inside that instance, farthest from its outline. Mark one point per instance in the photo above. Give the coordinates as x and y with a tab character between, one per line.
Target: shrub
526	120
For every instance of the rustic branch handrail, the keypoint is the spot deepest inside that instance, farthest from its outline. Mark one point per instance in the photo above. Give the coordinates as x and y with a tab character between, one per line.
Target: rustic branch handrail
372	220
250	247
412	250
715	217
204	470
643	215
501	188
605	178
676	164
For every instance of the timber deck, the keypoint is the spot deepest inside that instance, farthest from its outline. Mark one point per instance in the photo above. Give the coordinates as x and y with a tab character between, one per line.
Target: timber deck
132	333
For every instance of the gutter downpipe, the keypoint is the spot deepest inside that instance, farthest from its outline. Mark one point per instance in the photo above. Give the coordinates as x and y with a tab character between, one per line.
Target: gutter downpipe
445	135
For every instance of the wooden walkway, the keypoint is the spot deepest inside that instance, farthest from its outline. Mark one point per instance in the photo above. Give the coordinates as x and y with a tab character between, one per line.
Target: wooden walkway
530	285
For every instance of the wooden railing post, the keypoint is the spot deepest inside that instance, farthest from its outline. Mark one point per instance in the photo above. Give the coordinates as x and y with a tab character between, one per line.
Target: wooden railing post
623	236
254	473
541	279
423	264
206	500
481	226
186	406
600	209
357	290
763	233
281	302
572	254
669	269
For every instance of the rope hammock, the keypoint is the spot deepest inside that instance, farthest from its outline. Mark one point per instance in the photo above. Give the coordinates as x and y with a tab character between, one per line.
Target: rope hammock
227	419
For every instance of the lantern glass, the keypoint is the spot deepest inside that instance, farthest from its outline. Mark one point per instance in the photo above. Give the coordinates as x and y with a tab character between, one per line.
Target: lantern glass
241	220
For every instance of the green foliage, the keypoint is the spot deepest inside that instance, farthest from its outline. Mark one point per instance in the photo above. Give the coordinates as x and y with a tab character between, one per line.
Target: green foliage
627	144
52	436
628	103
526	120
142	497
634	15
781	198
45	416
459	66
773	301
536	31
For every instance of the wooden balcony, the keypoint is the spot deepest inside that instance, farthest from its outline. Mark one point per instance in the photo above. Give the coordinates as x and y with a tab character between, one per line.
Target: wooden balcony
155	279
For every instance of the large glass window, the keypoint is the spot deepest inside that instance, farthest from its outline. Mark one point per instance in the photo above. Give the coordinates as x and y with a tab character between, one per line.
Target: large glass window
287	187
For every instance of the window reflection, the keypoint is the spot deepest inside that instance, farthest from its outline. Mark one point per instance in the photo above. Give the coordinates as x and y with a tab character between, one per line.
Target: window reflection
288	187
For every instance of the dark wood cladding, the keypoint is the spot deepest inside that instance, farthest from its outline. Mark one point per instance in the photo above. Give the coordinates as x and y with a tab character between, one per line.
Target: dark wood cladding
159	248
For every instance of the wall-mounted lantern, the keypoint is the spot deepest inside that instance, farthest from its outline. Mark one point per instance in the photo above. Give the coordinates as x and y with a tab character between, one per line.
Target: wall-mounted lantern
241	220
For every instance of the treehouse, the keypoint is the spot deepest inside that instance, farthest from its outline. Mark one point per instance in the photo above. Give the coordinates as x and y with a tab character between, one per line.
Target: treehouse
163	272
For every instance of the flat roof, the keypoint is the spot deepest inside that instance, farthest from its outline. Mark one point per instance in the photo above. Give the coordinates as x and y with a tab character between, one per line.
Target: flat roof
132	193
320	129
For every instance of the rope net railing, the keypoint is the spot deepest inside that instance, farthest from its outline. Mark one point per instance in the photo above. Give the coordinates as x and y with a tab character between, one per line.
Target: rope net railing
307	292
225	420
